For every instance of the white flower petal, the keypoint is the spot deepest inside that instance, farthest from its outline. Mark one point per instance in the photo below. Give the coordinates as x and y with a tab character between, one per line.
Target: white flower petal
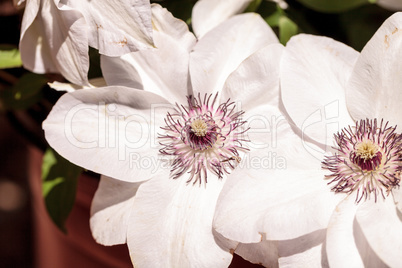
121	71
341	248
171	225
287	178
382	228
397	194
306	201
19	3
116	27
56	41
163	71
314	72
95	82
267	129
256	81
28	21
207	14
68	87
111	209
374	87
35	53
167	25
304	251
111	130
346	244
254	86
221	51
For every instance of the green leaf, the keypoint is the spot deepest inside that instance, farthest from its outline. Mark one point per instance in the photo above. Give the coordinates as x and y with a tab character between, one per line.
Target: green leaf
333	6
253	6
29	85
26	92
94	64
287	28
9	57
59	185
273	19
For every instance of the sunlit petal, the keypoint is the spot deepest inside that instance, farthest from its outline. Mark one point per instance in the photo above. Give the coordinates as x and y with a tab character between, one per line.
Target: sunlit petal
109	131
207	14
54	39
110	210
163	71
382	228
374	87
314	72
171	224
116	27
221	51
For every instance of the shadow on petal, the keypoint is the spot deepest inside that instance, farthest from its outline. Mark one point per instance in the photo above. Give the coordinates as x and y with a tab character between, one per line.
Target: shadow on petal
302	243
367	254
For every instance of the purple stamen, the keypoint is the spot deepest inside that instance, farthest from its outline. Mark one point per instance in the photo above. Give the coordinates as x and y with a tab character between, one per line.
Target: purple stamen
368	159
203	138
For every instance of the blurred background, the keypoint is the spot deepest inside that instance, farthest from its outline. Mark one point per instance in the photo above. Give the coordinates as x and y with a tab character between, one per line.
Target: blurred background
24	104
15	209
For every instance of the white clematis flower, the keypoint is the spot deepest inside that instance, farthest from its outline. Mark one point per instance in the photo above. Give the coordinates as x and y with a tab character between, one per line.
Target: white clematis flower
163	164
333	97
55	35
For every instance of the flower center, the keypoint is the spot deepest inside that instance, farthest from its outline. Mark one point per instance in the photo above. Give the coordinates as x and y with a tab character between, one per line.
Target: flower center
367	160
366	155
201	132
203	137
199	127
